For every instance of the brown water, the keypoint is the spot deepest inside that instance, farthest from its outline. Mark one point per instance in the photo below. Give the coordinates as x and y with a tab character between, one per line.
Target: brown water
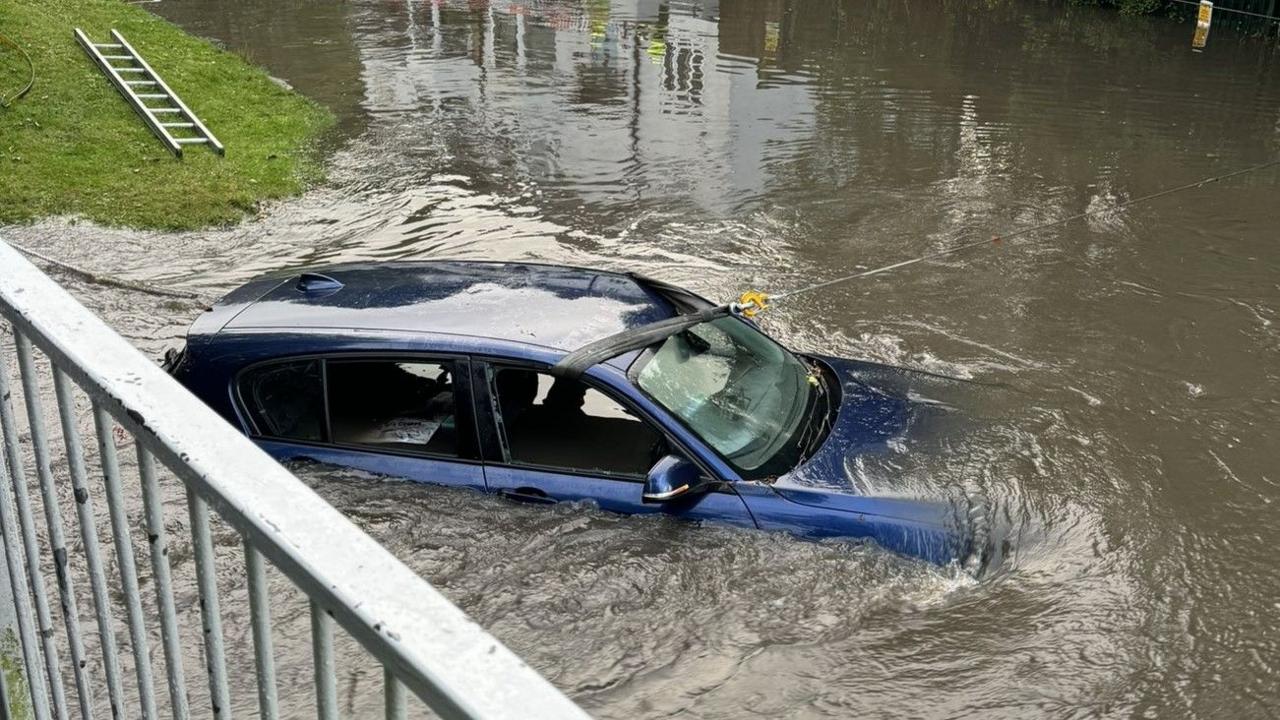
1125	407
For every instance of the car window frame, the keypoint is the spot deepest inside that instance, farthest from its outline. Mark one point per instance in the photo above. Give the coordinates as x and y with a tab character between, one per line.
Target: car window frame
245	410
463	391
496	431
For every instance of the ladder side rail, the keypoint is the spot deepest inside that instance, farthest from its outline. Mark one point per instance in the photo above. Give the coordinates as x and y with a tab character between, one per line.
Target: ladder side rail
186	111
147	117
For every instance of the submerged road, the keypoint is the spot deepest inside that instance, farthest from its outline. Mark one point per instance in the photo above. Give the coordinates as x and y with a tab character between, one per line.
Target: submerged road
1124	411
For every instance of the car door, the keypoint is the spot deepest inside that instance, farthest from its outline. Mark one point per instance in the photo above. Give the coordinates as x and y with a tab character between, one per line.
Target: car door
404	416
550	439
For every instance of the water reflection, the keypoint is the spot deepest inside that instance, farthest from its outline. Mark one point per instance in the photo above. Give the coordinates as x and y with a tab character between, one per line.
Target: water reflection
606	101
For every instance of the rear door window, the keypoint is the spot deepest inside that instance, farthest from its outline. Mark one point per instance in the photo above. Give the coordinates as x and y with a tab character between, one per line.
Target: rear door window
565	424
286	400
394	405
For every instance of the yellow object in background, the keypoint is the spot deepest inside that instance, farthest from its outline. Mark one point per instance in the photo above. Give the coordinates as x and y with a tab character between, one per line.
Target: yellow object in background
771	34
1202	25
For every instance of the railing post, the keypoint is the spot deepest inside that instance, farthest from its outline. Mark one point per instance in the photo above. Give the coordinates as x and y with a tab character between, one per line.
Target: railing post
160	578
15	622
394	699
53	519
15	588
322	658
62	388
124	560
210	613
260	619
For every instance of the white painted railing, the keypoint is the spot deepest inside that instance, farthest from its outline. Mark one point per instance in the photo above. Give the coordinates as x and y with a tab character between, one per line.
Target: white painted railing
424	643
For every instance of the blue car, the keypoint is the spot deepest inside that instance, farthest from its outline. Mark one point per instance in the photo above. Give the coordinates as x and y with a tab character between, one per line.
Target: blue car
550	384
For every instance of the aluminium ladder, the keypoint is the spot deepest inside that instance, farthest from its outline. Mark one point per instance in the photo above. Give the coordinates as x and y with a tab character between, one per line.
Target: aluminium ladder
159	106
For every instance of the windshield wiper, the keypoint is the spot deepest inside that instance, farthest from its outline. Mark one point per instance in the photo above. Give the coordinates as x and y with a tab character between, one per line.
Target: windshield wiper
815	432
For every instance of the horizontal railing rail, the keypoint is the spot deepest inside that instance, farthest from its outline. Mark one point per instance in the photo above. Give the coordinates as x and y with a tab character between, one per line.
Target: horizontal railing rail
425	644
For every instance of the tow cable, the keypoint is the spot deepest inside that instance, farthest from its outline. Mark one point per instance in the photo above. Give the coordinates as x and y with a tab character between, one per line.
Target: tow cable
753	302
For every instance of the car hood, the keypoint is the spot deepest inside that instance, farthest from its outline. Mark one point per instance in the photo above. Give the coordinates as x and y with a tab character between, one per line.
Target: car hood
878	413
882	410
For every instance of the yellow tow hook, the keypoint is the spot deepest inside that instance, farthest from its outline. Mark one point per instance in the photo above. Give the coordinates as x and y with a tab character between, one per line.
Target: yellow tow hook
752	303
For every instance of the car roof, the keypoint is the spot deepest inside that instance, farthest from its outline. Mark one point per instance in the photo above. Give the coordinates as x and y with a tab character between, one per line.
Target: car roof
550	306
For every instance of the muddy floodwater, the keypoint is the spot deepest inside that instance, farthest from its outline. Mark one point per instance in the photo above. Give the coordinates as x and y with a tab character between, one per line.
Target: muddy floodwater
1120	401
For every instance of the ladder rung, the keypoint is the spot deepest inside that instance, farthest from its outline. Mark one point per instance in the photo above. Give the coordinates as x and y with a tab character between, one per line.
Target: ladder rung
149	96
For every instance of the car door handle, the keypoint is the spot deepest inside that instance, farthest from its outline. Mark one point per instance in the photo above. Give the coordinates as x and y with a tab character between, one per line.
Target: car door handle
528	495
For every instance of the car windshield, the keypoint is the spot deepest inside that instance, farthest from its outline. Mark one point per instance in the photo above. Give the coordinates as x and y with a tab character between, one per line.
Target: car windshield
740	391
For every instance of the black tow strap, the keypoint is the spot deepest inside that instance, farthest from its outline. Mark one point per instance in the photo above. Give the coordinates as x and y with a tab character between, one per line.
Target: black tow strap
578	362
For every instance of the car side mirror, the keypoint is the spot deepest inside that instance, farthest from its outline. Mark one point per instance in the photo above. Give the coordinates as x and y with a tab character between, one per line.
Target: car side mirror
673	477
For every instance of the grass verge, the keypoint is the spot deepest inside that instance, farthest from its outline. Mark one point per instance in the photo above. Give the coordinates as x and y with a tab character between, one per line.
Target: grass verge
74	146
14	675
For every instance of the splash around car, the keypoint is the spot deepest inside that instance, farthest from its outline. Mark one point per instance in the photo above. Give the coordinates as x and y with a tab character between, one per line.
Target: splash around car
548	384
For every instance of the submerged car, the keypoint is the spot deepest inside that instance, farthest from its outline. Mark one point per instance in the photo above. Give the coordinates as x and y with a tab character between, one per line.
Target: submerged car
547	384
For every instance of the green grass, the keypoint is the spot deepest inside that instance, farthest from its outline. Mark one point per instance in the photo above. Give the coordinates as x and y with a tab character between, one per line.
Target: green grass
14	674
73	146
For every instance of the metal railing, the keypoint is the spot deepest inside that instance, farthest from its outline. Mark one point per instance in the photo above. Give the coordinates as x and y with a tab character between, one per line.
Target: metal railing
425	645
